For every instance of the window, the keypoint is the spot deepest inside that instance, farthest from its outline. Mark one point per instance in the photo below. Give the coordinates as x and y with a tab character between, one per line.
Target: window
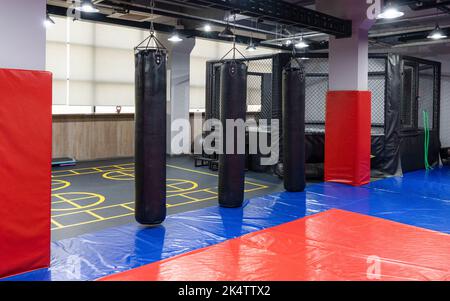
92	65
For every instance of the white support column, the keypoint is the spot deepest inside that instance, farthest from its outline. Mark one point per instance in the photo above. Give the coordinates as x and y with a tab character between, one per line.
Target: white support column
179	78
349	56
22	34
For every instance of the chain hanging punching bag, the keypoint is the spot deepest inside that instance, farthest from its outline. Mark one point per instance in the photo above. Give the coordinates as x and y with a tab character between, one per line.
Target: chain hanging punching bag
233	87
150	137
294	128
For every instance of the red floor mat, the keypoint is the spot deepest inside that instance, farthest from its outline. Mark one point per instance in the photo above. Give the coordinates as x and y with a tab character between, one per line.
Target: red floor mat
334	245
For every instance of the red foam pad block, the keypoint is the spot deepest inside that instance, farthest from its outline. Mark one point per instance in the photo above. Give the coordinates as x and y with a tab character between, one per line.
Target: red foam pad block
347	139
333	245
25	170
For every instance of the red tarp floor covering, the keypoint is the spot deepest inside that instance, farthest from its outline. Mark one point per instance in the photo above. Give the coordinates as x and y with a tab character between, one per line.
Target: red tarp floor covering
333	245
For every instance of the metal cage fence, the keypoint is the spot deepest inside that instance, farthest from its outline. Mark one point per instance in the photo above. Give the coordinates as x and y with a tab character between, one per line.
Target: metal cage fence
264	91
316	69
259	88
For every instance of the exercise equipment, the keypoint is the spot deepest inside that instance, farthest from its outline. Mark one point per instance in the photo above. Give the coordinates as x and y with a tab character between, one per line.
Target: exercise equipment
294	127
233	107
150	144
25	170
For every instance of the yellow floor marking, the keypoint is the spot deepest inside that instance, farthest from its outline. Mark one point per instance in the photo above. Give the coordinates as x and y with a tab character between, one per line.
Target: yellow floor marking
190	202
189	197
85	171
120	172
122	166
131	165
95	209
101	218
256	184
174	187
192	170
187	192
101	199
76	199
182	182
68	201
56	223
254	189
209	190
94	221
122	169
73	175
127	207
65	184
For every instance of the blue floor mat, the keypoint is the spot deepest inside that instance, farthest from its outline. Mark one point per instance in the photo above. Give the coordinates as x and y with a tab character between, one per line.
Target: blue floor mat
418	199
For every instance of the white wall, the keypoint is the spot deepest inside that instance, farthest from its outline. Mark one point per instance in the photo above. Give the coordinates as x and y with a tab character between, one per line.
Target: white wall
22	34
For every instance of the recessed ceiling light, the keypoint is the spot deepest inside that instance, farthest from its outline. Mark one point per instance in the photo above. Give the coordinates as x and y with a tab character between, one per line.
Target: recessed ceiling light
301	44
87	7
207	28
175	37
390	12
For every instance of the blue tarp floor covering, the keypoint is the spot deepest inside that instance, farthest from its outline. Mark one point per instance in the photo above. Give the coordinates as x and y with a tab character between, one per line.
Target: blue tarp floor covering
419	199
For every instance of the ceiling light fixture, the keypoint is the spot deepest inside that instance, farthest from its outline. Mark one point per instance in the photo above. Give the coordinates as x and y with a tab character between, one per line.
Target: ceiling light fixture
175	37
87	7
390	12
227	33
207	28
301	44
437	34
48	22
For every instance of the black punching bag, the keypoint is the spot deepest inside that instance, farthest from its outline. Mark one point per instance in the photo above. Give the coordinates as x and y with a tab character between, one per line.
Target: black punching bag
233	106
150	137
294	129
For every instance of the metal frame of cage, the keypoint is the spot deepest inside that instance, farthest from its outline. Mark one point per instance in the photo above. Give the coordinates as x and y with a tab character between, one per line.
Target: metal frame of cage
393	144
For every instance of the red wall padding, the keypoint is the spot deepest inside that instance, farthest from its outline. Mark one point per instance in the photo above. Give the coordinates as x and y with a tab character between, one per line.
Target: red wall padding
25	170
347	139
